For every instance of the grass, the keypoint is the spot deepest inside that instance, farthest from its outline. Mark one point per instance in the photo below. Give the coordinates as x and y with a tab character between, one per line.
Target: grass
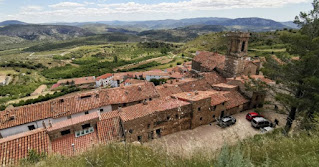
270	150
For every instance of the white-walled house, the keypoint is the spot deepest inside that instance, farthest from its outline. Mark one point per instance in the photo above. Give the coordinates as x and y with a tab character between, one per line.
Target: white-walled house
46	122
155	75
104	80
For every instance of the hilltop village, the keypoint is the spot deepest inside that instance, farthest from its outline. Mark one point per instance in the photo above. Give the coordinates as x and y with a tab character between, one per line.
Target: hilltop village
132	109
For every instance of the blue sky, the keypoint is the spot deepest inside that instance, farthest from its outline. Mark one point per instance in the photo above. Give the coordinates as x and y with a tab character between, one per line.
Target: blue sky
44	11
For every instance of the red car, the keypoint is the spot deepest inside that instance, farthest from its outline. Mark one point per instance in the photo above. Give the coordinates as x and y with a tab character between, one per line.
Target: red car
252	115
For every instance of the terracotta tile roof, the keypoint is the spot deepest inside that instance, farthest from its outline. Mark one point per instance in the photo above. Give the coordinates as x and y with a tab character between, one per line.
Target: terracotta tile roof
176	75
235	99
105	76
109	127
39	90
141	110
133	81
218	98
78	81
130	93
196	85
194	96
210	60
74	121
167	90
16	147
224	85
75	103
213	78
24	114
63	145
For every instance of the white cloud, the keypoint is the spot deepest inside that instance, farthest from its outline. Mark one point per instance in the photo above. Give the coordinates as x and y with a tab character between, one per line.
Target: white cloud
87	11
66	5
31	8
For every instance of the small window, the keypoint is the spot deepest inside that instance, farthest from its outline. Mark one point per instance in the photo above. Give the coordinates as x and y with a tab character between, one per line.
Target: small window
198	108
86	112
168	117
131	131
139	138
124	104
149	126
61	100
65	132
85	126
31	127
69	117
176	116
101	110
151	99
213	116
223	103
201	118
214	108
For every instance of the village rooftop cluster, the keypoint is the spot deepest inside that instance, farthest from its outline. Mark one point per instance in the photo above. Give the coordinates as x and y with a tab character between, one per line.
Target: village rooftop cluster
134	109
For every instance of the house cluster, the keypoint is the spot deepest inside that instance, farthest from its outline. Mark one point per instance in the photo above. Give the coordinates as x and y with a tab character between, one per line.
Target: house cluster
114	80
135	110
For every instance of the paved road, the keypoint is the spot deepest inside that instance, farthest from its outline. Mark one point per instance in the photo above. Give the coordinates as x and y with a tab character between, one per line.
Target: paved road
210	137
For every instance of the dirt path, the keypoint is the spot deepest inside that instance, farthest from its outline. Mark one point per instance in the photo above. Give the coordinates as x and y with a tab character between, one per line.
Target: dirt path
210	137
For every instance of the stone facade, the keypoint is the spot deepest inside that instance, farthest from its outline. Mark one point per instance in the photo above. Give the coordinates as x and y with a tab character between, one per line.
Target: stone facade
158	124
235	61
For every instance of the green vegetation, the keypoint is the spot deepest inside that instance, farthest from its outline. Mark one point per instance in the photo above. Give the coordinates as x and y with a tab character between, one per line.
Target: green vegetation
64	91
270	150
158	81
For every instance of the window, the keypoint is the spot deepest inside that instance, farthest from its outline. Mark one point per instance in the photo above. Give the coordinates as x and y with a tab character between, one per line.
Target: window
61	100
124	104
130	131
176	116
84	132
148	126
243	46
65	132
139	138
101	110
31	127
86	112
213	116
214	108
168	117
84	97
201	118
223	103
198	108
150	99
85	126
69	117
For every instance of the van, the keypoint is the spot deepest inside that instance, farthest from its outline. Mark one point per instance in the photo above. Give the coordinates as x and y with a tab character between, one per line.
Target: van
260	122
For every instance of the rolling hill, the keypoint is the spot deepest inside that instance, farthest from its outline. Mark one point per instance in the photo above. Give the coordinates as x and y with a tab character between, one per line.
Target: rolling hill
43	32
12	22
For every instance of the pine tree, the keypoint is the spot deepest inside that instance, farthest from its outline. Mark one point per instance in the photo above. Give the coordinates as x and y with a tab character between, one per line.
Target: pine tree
298	80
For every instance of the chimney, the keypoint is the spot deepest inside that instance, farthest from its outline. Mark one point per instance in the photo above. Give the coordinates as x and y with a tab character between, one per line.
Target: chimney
50	124
196	92
140	88
43	124
145	102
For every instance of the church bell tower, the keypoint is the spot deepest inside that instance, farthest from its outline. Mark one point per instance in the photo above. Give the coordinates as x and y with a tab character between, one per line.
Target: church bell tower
237	51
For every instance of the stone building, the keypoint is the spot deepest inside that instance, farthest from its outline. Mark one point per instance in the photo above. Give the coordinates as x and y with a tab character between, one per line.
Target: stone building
150	120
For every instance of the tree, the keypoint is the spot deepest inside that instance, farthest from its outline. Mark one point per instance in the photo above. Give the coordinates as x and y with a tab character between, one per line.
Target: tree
115	60
298	80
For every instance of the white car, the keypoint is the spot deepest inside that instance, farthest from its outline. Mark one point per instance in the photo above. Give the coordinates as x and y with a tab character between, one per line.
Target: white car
266	129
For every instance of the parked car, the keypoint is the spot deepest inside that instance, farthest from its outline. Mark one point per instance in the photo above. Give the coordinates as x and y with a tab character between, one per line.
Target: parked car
252	115
266	129
226	121
260	122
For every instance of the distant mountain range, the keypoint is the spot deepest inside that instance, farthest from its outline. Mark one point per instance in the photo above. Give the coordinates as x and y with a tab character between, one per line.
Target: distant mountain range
12	31
43	32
